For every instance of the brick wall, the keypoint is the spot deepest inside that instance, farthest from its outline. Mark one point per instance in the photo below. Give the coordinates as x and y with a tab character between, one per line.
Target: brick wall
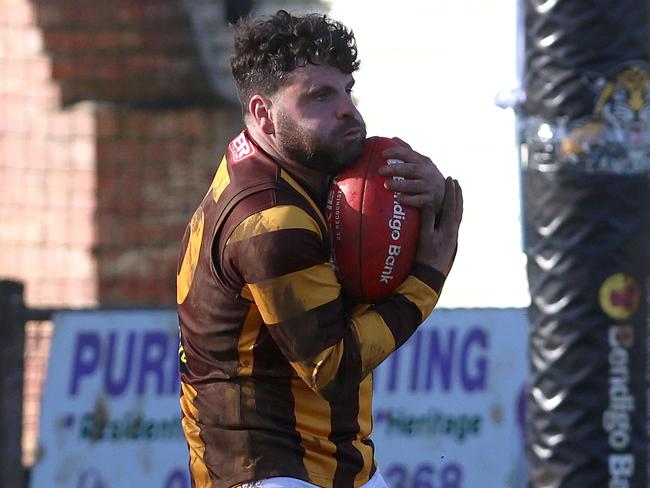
95	193
109	136
153	168
95	216
110	133
139	52
47	172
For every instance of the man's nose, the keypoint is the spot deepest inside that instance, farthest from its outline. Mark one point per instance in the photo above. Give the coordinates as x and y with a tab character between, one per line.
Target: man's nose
347	108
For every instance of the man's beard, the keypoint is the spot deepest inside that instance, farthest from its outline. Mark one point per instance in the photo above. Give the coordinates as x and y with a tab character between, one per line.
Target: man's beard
327	155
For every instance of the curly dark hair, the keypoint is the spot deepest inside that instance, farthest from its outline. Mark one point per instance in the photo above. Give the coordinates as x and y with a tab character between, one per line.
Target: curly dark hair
267	48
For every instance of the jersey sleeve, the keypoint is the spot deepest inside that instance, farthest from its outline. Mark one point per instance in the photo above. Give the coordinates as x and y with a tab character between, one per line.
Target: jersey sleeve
283	261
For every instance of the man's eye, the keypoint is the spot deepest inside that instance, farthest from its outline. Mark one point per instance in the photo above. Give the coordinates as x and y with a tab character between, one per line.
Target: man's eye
321	96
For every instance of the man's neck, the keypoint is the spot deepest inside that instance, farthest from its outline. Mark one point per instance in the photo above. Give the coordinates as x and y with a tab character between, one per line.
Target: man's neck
315	182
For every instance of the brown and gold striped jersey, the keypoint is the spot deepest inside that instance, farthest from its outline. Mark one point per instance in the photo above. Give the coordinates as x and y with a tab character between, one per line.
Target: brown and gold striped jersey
276	365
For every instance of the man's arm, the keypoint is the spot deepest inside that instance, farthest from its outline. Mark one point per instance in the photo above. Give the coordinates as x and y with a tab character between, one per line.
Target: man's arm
281	257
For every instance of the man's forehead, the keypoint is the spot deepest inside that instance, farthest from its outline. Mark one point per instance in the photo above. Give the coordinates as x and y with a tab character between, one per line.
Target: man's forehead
311	75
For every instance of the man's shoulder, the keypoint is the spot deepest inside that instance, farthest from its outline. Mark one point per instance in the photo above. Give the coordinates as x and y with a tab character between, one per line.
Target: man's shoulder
247	165
251	187
271	211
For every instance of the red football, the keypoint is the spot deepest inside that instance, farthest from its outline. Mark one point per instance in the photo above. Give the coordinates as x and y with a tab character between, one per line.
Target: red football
374	237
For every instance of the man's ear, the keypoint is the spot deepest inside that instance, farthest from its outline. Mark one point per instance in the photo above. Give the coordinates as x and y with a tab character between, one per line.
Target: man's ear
260	109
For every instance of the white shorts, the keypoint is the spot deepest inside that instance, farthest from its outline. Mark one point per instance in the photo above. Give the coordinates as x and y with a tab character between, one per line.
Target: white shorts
377	481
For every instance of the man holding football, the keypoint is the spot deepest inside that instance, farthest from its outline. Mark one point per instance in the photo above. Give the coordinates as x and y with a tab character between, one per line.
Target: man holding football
276	363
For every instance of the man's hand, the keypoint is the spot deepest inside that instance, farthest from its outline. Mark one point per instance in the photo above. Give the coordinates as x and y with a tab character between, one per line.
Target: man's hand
418	181
438	240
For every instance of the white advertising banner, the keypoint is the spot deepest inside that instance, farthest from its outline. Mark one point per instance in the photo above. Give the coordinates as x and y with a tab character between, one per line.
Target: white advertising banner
110	416
448	405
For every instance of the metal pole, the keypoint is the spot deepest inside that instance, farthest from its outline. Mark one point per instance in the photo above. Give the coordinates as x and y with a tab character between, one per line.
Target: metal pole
12	345
586	180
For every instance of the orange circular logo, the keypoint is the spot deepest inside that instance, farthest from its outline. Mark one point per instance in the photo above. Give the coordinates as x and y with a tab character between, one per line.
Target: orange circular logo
619	296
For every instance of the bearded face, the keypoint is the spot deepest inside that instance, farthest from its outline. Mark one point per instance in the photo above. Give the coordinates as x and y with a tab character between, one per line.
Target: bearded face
316	124
326	152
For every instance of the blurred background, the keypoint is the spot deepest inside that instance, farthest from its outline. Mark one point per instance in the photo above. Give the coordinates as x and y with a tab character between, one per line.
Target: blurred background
114	115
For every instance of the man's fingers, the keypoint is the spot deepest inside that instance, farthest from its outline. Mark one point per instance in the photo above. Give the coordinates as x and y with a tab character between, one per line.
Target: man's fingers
401	142
405	169
408	186
404	153
426	171
417	200
459	201
452	207
410	178
449	204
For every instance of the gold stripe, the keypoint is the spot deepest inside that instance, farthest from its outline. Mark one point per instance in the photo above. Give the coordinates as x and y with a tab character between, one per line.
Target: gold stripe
296	186
221	180
289	295
246	343
365	425
191	257
375	340
245	293
359	309
418	293
192	431
276	218
312	415
319	371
